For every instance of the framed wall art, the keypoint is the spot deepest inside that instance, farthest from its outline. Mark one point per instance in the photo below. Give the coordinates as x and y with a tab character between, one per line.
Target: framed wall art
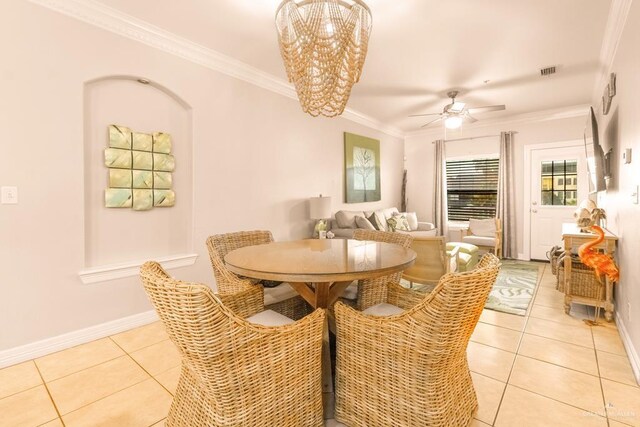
361	168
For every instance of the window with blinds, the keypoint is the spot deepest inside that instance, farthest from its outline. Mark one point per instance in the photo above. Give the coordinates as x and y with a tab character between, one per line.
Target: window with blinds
472	188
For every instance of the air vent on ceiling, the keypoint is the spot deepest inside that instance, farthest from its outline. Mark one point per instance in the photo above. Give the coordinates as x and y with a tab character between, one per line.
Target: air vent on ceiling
547	71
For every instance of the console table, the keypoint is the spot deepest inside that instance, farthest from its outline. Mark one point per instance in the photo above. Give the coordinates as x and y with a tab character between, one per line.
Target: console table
573	238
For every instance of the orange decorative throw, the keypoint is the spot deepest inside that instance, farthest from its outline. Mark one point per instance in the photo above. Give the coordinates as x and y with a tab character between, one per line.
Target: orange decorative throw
601	263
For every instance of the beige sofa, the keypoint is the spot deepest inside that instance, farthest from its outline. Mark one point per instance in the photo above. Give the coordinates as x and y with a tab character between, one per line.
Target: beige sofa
345	223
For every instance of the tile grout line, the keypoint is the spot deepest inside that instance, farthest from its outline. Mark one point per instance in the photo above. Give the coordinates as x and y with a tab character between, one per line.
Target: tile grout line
147	372
524	327
53	402
556	400
22	391
604	399
84	369
595	351
118	391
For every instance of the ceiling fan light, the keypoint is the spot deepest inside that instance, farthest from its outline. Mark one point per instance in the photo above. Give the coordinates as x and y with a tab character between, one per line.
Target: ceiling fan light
453	122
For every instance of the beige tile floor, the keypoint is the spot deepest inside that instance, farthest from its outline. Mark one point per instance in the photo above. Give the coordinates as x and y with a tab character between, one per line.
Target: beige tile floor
543	369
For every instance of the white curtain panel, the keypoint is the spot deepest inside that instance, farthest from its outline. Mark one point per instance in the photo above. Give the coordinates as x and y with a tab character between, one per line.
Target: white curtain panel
440	209
506	210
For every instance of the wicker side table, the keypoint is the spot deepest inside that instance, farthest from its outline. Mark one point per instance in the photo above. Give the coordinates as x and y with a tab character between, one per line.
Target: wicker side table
573	237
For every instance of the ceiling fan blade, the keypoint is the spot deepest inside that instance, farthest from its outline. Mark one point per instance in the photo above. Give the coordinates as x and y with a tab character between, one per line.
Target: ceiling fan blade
432	121
487	108
470	119
428	114
456	107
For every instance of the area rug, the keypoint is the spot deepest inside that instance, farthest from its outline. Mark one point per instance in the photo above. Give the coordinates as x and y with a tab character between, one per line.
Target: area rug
514	288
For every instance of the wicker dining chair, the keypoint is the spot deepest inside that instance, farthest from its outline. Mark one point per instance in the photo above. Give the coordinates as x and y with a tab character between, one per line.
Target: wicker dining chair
220	245
432	261
374	291
237	373
410	369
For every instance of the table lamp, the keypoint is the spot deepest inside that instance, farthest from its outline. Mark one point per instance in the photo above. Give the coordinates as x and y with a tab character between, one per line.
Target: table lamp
320	210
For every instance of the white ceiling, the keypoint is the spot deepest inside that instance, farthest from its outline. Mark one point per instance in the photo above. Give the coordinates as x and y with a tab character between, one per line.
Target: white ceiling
420	49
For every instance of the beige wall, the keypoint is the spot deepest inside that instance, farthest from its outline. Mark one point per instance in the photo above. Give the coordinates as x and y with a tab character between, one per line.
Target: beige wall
419	159
620	129
256	161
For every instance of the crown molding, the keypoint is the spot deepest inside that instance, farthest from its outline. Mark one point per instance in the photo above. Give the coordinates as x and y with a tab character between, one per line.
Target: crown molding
117	22
612	34
516	119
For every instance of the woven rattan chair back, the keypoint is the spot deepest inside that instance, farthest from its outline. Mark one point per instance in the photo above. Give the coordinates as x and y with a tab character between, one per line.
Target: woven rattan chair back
227	377
401	239
418	374
431	260
374	291
453	308
220	245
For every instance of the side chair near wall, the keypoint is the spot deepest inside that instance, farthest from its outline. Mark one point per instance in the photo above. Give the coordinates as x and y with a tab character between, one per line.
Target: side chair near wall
374	291
241	366
409	368
432	261
220	245
484	233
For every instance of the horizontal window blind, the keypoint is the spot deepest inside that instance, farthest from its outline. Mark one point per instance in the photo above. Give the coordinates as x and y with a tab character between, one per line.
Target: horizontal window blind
472	188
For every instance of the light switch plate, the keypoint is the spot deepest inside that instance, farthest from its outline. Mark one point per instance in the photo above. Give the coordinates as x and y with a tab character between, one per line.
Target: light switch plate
9	195
627	155
635	195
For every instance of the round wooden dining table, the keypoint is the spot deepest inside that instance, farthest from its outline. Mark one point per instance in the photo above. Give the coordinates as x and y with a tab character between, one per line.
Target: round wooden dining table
320	269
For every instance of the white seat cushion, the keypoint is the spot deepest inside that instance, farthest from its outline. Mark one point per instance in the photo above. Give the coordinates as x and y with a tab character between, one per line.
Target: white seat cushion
281	292
352	291
479	241
482	227
269	318
383	310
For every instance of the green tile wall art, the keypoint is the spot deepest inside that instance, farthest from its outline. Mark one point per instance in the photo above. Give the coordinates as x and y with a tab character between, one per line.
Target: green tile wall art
140	167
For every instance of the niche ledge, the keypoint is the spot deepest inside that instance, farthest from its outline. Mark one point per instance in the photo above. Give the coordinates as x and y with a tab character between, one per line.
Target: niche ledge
105	273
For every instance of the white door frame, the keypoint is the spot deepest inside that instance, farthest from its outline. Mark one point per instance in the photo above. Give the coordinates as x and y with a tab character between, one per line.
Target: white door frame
528	149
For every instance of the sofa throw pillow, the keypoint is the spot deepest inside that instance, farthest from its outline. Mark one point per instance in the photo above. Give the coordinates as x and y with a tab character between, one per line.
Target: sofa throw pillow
412	219
382	220
347	219
364	223
373	220
398	222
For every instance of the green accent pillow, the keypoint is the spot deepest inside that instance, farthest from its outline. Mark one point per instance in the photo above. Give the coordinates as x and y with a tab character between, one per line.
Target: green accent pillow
364	223
398	222
373	219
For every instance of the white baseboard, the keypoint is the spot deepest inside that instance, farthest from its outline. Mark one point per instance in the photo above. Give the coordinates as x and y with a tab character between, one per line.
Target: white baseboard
628	345
61	342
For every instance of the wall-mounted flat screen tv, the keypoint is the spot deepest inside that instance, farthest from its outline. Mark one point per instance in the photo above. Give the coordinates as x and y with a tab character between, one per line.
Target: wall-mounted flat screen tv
595	155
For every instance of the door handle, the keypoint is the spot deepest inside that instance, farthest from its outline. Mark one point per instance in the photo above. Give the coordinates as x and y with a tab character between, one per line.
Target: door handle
534	210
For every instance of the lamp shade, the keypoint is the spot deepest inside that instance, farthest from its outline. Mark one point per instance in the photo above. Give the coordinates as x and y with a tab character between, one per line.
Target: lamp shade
320	207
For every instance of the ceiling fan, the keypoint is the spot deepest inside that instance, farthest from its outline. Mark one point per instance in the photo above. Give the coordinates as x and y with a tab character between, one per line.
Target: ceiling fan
455	113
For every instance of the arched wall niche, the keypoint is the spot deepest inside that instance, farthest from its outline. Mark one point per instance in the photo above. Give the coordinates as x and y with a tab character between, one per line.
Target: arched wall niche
117	236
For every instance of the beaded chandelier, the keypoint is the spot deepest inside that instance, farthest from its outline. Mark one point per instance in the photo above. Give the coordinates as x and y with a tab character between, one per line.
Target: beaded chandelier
323	44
